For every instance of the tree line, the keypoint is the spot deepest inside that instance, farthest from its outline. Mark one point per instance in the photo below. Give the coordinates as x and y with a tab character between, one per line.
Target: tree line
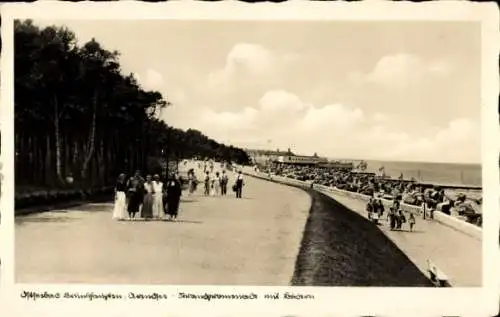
77	115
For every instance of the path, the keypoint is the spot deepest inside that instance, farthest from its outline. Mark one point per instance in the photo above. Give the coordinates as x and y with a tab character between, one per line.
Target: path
458	255
249	241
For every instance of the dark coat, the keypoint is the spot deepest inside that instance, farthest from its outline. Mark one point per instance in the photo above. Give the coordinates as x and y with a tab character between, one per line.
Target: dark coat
174	192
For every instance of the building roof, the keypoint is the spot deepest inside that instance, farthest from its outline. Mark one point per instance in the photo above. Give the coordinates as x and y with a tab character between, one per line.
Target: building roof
269	152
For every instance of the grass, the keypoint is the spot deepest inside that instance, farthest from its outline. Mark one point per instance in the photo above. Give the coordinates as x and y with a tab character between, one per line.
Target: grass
341	248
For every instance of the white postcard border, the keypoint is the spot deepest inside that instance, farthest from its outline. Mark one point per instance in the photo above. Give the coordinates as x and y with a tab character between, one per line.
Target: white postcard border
337	301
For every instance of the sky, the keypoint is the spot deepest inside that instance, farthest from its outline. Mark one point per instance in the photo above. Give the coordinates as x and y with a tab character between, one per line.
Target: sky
407	91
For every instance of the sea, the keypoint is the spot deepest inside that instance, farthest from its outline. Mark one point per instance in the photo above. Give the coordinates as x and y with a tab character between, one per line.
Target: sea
435	173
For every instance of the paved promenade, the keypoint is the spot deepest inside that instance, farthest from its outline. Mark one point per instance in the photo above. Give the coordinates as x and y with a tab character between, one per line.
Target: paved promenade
217	240
458	255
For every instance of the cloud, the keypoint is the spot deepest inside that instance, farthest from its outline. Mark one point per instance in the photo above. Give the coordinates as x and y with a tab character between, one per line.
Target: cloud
379	117
253	99
249	69
279	109
402	70
339	130
459	141
151	80
331	118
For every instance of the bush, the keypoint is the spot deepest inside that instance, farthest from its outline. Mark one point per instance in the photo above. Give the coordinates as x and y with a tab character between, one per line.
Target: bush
41	198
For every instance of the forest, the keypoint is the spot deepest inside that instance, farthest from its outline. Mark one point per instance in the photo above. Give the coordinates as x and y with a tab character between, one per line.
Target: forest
79	117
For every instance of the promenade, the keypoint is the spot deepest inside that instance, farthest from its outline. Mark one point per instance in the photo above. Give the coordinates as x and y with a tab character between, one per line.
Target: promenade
217	240
458	255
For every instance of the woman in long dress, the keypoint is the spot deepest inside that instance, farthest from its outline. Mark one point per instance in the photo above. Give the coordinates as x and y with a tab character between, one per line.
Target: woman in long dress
120	209
217	184
135	192
147	205
191	181
174	192
212	185
157	197
194	182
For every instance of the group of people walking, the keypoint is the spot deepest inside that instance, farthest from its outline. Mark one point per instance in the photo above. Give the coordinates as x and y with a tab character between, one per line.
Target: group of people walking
216	184
395	216
154	199
149	197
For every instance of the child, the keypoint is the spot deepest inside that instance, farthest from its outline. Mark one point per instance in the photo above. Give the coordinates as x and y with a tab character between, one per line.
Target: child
369	207
401	219
411	221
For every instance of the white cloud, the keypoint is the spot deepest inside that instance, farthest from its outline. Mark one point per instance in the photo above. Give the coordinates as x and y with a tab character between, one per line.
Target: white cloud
279	109
229	121
379	117
339	130
250	66
459	141
152	80
440	67
403	70
249	57
332	118
251	100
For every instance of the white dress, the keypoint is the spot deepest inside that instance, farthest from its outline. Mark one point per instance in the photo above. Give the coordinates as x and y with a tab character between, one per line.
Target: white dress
158	200
216	185
120	209
212	185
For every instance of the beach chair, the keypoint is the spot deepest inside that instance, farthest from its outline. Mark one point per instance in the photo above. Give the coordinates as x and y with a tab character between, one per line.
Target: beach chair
437	277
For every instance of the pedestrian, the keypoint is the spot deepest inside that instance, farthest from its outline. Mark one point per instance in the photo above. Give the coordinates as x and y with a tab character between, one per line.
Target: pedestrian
120	208
157	197
191	181
216	184
223	183
392	218
370	207
379	208
147	205
400	218
411	221
207	184
174	193
135	191
239	185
